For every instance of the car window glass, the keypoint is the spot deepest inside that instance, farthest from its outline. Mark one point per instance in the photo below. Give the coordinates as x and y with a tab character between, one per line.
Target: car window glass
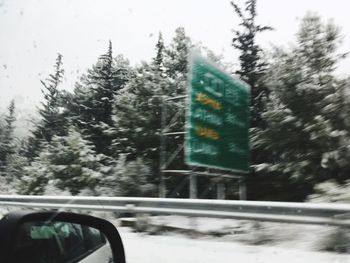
56	242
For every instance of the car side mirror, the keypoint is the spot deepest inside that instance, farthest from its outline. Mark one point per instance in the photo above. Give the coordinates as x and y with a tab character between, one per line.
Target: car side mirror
58	237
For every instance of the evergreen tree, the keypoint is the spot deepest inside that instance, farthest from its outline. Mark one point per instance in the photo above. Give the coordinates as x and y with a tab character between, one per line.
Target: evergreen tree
91	107
252	66
74	163
158	60
7	140
252	70
137	111
37	174
176	63
176	68
15	160
138	107
69	163
306	124
15	166
51	122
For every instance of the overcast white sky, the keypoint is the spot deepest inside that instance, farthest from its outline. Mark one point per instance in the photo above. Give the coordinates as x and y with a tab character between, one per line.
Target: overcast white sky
33	31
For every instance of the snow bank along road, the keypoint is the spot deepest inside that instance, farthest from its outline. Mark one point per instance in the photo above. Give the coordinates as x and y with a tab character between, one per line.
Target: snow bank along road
141	248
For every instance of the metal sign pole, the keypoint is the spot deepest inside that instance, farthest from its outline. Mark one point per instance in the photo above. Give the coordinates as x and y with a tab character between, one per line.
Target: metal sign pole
162	186
193	186
220	190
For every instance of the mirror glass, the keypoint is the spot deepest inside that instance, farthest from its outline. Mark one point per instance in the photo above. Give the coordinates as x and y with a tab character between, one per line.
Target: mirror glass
60	242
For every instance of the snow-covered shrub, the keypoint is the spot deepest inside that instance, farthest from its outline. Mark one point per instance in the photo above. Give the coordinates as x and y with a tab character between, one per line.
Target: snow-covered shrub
6	186
69	163
331	191
256	234
337	240
142	223
131	178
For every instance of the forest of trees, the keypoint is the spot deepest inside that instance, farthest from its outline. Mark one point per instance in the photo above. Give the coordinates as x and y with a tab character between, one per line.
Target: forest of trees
104	137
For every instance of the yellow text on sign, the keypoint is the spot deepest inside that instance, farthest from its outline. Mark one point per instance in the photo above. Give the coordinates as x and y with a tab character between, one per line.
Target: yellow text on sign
206	100
207	133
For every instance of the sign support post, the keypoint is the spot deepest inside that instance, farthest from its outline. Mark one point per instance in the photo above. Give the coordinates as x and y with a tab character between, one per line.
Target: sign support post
162	185
220	190
242	189
193	186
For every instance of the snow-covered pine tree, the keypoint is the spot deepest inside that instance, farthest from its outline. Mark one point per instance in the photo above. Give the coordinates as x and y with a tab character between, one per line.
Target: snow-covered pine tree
252	66
158	60
14	168
305	118
36	175
68	163
91	106
176	57
252	70
176	63
7	139
137	110
137	114
74	163
51	122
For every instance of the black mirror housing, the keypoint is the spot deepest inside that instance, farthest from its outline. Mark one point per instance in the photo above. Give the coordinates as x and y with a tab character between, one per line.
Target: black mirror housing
11	223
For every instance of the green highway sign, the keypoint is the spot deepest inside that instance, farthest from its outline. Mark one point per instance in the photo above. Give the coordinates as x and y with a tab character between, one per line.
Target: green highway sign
217	118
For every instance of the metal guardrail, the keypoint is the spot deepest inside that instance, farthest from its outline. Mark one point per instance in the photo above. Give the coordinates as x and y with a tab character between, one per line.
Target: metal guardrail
303	213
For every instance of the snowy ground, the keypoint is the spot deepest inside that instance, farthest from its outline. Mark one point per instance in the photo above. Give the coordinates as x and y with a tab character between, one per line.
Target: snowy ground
227	240
142	248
